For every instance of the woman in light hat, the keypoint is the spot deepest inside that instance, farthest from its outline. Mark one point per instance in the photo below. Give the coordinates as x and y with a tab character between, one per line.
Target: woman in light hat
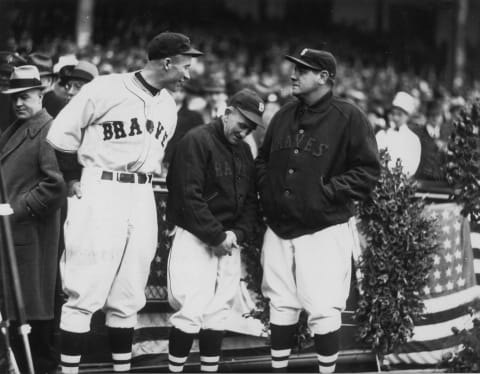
399	140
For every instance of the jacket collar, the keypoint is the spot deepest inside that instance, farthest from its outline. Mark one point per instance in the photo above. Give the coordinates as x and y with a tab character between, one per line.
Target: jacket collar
320	105
18	131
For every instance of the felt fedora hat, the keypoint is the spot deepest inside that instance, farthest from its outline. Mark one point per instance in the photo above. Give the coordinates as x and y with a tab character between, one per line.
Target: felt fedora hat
24	78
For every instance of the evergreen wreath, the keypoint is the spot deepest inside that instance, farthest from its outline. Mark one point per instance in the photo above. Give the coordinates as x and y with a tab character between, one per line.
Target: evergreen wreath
396	261
463	160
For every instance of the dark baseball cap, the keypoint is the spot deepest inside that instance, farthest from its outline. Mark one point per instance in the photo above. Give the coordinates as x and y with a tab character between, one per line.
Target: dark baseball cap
250	105
169	44
316	59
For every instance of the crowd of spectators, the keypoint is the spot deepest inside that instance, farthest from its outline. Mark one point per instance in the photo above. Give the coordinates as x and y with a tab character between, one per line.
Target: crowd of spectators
254	58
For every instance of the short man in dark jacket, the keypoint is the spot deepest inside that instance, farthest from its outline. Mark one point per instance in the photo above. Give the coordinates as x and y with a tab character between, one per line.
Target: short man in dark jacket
318	156
212	202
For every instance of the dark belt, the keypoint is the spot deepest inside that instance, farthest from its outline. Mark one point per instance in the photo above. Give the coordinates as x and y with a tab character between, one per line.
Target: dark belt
126	177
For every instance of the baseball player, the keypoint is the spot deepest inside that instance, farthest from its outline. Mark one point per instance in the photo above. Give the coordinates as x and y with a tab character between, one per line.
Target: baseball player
110	140
318	156
212	201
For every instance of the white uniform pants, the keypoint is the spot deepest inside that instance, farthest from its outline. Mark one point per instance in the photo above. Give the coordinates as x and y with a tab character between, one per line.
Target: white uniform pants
110	240
311	272
201	286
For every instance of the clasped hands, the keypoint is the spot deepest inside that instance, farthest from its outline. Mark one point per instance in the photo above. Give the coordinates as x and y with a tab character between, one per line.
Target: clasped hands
226	247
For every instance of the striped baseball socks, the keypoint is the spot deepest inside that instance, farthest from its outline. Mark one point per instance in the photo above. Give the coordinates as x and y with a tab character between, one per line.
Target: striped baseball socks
72	345
179	346
327	347
121	345
210	347
282	342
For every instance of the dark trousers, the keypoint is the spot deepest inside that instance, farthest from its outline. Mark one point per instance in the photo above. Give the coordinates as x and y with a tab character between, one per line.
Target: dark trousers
45	359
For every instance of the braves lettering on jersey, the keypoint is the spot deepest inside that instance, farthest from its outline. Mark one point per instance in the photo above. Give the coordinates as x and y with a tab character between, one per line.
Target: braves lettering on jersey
114	124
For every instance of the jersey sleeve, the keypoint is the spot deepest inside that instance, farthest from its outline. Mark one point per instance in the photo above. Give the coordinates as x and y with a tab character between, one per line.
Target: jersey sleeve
67	128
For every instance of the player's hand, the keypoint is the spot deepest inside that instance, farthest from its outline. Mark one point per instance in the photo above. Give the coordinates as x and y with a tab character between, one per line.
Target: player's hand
226	247
74	189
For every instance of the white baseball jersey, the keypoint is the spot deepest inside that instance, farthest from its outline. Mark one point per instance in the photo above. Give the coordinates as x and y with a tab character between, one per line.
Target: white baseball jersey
114	124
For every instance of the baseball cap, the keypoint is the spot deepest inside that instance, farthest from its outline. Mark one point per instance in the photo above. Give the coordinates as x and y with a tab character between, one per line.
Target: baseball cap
24	78
84	71
169	44
249	104
316	59
43	63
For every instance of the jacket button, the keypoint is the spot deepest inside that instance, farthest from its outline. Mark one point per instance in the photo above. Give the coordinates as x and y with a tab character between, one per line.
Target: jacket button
287	192
290	171
301	131
295	151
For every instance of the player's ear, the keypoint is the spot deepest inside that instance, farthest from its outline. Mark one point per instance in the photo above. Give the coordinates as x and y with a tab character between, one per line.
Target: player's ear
167	62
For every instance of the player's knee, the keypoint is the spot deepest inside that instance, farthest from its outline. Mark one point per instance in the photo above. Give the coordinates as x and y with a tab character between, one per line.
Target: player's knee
322	324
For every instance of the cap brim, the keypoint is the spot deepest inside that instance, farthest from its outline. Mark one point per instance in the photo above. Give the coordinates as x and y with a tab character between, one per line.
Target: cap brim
300	62
192	52
253	117
15	90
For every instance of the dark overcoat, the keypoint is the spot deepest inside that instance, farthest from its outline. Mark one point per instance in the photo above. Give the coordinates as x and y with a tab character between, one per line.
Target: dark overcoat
35	189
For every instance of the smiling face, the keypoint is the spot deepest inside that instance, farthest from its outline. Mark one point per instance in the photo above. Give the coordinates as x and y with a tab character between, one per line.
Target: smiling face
236	126
177	71
27	103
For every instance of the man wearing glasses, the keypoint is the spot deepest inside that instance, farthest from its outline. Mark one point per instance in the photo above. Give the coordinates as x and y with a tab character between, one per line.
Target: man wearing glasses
318	156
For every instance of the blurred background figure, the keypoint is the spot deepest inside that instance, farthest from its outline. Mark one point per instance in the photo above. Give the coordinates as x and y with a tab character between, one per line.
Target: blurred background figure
44	64
75	78
8	60
187	120
400	141
215	94
433	147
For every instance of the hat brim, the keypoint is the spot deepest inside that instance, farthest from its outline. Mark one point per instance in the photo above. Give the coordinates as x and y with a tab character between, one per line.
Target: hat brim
252	117
192	52
21	89
297	61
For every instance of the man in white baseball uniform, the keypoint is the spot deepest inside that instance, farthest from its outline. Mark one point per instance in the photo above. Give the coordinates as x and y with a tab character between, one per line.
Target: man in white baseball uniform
110	140
212	201
318	156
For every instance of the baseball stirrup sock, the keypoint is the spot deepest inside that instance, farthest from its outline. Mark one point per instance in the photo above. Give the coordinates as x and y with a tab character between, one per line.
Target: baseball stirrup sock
327	347
179	346
121	345
210	347
282	342
72	344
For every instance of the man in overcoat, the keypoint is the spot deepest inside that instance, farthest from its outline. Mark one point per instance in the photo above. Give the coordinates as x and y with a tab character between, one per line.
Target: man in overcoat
35	189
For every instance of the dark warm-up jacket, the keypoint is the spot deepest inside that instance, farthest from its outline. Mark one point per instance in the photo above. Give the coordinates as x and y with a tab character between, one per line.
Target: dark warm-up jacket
314	162
211	185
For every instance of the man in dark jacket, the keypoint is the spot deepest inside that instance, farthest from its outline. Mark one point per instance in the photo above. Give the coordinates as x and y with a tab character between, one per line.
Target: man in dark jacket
212	202
318	156
35	189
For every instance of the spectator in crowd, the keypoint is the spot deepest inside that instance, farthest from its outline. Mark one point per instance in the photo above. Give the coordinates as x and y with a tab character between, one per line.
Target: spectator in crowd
74	79
215	95
35	189
399	140
433	148
187	120
44	65
71	80
110	140
318	156
8	60
212	201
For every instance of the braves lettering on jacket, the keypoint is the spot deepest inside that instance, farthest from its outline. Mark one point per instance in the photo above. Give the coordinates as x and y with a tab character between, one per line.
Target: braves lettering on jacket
314	162
211	185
